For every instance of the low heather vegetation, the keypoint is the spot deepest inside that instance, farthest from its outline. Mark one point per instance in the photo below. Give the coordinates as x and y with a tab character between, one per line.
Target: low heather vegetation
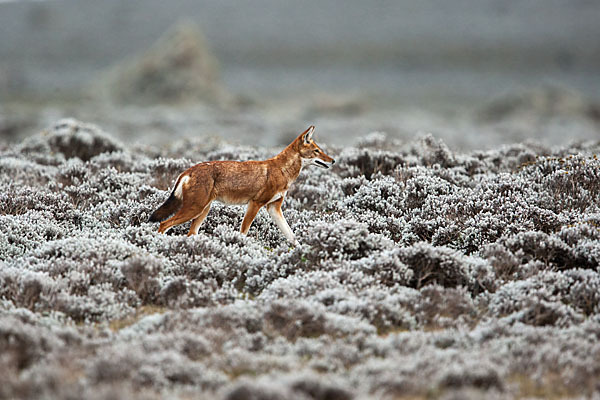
421	273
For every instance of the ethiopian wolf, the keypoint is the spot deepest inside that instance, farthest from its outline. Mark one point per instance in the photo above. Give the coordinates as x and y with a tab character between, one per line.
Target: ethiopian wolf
255	183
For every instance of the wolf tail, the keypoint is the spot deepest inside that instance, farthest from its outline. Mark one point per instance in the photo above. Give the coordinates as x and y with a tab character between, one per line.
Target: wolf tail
172	204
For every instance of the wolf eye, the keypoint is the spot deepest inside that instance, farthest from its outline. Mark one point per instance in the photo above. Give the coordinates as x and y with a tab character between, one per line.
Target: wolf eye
317	151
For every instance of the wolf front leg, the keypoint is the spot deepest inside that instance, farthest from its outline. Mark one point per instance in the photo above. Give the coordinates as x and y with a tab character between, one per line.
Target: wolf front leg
274	210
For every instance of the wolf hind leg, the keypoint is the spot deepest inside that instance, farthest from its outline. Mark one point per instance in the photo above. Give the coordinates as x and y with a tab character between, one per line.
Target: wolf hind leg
186	212
177	219
198	221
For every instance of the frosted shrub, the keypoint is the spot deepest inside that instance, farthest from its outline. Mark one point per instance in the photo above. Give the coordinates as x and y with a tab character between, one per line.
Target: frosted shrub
420	272
173	290
294	320
21	170
385	311
22	344
308	387
582	231
584	242
382	195
19	200
477	376
357	162
444	307
439	265
317	390
376	140
387	268
584	291
572	181
246	390
543	247
345	240
544	299
505	263
140	273
434	151
317	190
72	138
26	289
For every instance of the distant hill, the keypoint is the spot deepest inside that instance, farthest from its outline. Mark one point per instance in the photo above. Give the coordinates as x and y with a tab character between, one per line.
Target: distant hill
46	45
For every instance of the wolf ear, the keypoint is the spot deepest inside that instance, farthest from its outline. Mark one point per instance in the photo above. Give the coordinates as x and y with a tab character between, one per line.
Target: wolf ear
307	136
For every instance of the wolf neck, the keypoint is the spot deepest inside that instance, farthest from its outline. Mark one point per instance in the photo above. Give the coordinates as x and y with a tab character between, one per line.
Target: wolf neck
290	163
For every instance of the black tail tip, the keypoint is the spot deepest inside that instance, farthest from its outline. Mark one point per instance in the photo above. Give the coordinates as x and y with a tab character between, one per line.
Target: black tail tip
153	218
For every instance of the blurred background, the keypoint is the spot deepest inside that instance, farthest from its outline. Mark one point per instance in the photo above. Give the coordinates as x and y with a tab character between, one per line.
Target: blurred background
476	73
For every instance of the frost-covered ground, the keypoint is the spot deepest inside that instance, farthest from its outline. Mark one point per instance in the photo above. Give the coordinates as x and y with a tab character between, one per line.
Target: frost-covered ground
422	273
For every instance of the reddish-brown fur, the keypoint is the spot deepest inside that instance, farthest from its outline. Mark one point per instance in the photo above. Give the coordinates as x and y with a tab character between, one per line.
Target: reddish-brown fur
256	183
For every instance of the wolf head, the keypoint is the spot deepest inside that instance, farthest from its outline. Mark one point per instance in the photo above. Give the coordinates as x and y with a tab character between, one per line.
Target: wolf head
310	152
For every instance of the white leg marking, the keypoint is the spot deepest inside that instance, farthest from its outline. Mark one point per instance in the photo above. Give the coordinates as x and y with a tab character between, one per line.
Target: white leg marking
197	227
282	224
178	189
